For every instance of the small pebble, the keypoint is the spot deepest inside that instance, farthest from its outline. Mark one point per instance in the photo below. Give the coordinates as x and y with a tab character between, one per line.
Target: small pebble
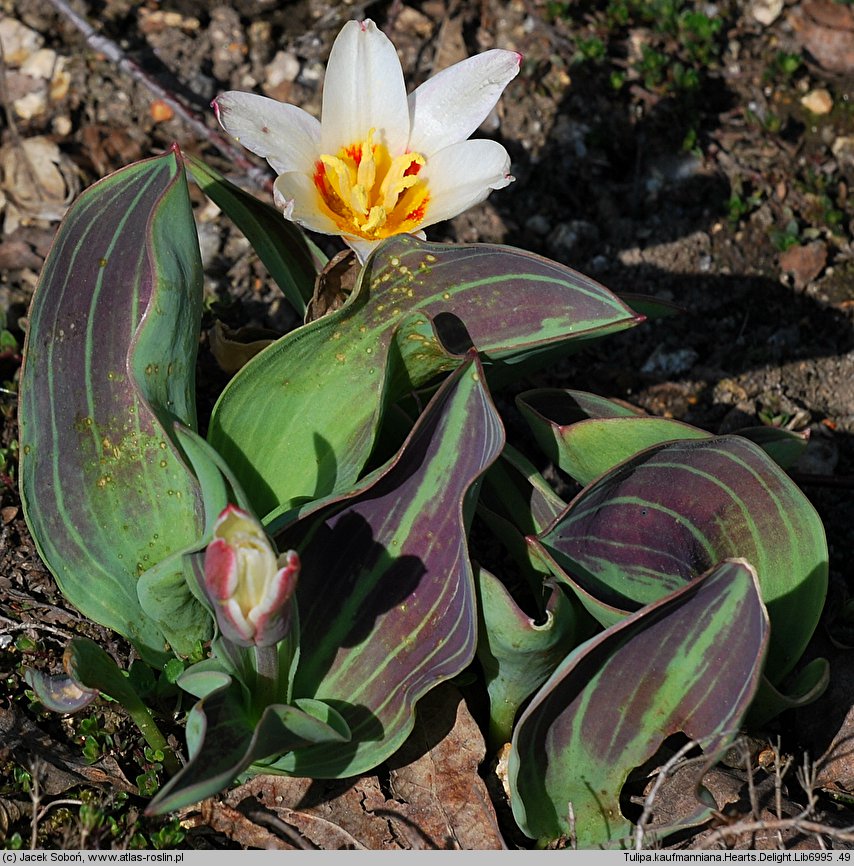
818	101
283	67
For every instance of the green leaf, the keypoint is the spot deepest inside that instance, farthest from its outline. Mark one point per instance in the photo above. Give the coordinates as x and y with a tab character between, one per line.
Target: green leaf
688	663
585	448
291	259
386	592
801	689
415	310
784	447
671	512
518	653
109	365
229	740
90	670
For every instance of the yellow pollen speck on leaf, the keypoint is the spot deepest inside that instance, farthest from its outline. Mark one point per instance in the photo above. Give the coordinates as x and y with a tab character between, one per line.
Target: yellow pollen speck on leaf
368	193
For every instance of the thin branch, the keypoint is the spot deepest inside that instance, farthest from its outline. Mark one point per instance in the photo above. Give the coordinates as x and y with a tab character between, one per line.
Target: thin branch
7	626
799	823
663	775
113	52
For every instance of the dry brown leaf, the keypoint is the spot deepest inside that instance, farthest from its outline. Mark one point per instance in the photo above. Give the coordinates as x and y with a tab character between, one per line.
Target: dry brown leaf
38	179
10	812
826	30
238	827
804	263
440	800
327	814
333	285
107	148
450	45
58	767
234	348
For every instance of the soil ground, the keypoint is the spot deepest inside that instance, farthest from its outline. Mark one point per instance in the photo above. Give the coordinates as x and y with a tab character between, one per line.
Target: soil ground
705	164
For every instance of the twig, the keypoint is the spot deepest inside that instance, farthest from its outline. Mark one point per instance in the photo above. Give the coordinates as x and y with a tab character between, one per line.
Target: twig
663	774
800	823
573	834
103	45
8	625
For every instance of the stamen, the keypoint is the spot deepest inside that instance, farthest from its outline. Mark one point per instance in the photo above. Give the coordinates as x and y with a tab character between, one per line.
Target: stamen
368	193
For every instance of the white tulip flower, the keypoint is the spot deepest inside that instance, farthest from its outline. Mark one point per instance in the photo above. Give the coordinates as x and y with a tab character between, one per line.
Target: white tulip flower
378	163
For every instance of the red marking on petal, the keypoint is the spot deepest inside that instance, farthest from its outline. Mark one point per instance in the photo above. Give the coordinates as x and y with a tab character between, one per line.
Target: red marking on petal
220	570
416	214
319	178
414	168
229	511
354	151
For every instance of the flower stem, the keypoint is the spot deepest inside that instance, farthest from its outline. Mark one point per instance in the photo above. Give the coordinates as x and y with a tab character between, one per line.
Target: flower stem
152	734
266	677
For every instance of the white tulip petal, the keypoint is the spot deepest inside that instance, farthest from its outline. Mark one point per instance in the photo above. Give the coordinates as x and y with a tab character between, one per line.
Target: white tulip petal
463	175
286	136
452	104
295	195
361	248
363	90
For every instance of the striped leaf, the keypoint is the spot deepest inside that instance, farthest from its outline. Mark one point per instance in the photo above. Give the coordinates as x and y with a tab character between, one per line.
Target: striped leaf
688	663
386	593
109	365
671	512
325	384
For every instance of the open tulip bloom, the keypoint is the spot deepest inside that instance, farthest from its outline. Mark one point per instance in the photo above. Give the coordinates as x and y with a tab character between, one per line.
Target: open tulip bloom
378	163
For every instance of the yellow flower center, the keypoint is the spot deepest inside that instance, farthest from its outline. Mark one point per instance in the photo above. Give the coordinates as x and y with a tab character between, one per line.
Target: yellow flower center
369	194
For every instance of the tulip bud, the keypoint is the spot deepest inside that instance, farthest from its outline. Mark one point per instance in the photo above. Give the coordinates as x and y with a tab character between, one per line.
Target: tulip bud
249	587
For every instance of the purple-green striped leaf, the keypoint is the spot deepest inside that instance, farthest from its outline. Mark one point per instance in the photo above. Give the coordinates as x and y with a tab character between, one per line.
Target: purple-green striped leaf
325	384
386	592
688	663
671	512
109	365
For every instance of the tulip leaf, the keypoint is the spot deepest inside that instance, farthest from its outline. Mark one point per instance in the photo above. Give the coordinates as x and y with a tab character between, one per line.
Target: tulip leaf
326	384
671	512
226	741
59	693
690	663
806	686
283	248
585	449
586	435
784	447
516	652
386	592
109	365
519	493
90	670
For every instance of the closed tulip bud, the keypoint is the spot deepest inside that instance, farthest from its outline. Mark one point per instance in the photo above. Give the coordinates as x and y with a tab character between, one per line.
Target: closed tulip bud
249	586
